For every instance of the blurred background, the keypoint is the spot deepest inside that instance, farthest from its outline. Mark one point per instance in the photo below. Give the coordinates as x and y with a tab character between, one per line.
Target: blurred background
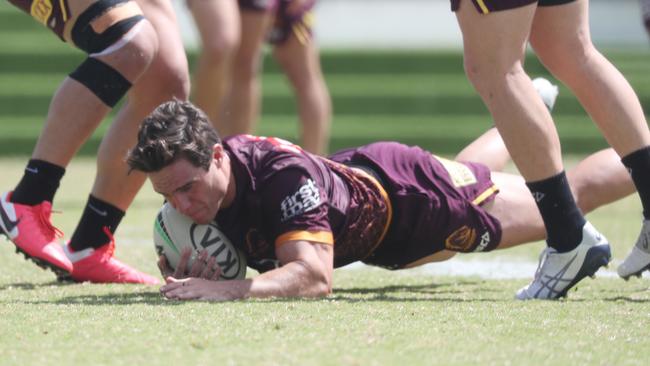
394	70
429	24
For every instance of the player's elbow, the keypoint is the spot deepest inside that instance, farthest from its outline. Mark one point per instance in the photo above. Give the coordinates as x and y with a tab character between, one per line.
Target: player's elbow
318	280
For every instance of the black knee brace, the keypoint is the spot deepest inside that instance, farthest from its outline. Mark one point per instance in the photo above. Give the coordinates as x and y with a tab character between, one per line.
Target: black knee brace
103	80
85	37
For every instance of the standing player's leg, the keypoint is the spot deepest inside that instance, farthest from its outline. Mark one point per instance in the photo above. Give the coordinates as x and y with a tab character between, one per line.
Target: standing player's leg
495	35
218	23
489	148
243	101
92	244
297	53
561	38
120	52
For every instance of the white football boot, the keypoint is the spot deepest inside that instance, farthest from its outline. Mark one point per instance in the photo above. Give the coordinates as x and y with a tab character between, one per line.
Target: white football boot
547	90
638	260
558	272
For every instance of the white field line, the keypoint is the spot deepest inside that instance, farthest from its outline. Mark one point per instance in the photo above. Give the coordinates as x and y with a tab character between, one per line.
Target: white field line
496	268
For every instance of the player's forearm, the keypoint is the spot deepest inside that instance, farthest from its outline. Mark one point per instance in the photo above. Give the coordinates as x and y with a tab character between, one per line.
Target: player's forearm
294	279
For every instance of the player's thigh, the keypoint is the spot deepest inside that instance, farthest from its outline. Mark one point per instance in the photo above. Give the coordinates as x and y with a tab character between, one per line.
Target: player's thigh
218	24
81	21
560	33
498	38
168	74
299	61
255	25
516	210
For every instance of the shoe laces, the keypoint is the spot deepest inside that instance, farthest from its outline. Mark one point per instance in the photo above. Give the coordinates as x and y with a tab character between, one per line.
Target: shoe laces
111	244
43	217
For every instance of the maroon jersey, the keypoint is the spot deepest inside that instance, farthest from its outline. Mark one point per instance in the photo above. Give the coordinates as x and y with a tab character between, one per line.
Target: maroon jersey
385	204
284	193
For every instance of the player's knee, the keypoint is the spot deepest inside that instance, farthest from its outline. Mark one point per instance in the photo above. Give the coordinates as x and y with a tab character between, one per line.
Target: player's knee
108	84
110	74
221	49
138	51
118	54
477	73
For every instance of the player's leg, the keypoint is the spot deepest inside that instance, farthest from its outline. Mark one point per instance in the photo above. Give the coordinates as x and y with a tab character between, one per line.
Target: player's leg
489	148
562	40
91	245
218	23
599	179
243	102
121	45
596	181
494	46
299	58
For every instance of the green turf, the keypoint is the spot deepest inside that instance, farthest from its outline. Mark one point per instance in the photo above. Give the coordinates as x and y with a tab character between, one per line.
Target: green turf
373	317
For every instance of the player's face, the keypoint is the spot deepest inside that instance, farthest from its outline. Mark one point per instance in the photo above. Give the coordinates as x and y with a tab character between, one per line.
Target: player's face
193	191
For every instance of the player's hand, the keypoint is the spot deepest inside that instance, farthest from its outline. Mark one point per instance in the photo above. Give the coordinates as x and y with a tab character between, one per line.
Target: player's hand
164	267
206	267
195	289
180	272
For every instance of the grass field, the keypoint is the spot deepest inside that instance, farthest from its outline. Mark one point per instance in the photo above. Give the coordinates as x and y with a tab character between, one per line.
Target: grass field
374	317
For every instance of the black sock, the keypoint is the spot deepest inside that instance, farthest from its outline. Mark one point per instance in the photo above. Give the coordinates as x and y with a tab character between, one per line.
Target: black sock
39	183
638	164
97	215
562	217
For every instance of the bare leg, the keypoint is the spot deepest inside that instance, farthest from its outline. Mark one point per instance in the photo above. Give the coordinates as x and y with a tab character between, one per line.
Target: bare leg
166	77
561	38
494	46
488	149
244	98
301	64
75	105
218	23
598	180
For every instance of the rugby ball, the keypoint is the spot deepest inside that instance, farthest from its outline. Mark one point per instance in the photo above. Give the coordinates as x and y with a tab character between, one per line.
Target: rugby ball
173	231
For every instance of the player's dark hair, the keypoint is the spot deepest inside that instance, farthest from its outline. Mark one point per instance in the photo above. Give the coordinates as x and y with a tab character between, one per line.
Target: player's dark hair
174	130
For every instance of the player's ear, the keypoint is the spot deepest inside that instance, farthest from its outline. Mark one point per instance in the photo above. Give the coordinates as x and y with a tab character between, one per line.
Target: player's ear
217	151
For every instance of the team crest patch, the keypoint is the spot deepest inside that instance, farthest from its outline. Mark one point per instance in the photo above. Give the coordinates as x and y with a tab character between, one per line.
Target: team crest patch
461	239
306	198
41	10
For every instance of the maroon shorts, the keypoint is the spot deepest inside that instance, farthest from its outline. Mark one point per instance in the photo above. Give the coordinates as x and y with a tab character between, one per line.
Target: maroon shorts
64	16
284	24
488	6
258	5
436	203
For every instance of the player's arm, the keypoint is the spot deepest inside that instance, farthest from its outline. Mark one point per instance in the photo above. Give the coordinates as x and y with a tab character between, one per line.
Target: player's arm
306	271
